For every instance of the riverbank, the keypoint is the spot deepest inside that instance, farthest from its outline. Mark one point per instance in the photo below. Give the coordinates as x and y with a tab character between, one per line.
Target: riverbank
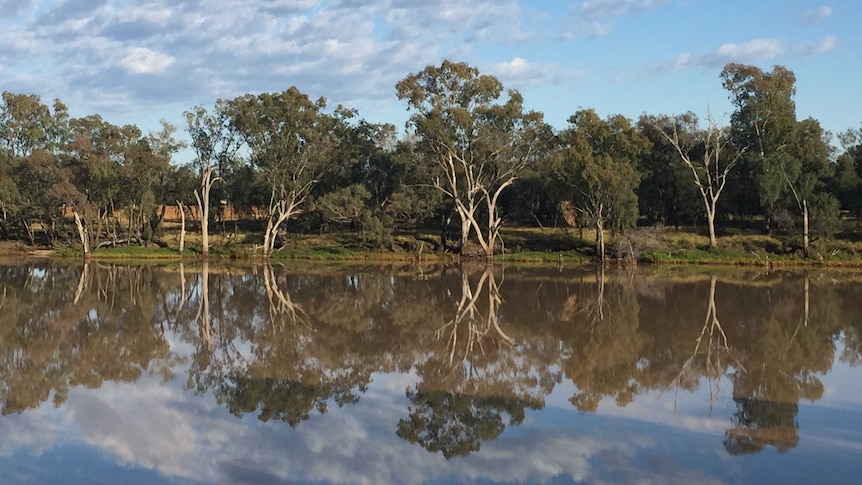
520	245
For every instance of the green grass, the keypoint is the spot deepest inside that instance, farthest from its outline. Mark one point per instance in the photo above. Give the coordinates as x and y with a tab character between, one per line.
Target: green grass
650	245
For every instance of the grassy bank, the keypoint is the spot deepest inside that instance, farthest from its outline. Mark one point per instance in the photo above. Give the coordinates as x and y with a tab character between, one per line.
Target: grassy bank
660	246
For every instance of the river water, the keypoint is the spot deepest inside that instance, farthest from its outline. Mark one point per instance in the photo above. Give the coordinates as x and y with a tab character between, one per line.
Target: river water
319	373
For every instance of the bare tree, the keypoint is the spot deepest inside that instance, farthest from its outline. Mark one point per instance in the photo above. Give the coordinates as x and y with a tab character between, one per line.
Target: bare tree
701	151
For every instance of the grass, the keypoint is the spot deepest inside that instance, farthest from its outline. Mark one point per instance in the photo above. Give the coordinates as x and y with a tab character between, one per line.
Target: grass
650	245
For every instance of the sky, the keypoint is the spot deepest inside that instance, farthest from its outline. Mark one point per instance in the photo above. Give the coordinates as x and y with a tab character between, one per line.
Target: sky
139	61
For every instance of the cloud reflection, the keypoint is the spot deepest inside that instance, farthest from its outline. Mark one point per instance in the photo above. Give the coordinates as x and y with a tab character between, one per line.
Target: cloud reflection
182	436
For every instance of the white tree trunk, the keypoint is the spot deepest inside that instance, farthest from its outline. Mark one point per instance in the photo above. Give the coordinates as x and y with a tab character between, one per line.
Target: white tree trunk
204	211
82	234
182	226
710	219
600	234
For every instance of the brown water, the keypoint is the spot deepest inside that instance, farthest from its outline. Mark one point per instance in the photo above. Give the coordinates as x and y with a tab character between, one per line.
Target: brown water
432	374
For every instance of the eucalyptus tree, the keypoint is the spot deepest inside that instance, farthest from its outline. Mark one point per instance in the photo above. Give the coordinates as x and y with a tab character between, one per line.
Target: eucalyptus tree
31	135
813	155
478	146
846	183
215	144
665	193
361	176
764	120
95	158
159	148
26	124
708	153
288	138
597	164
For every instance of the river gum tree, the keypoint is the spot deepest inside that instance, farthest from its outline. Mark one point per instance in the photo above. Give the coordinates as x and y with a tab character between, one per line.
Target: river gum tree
288	137
478	146
215	145
596	164
701	151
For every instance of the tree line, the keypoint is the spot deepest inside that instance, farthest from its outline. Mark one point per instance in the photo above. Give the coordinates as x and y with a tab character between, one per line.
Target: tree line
472	157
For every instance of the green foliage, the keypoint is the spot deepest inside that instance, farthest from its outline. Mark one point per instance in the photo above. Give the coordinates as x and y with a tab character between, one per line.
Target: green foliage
469	140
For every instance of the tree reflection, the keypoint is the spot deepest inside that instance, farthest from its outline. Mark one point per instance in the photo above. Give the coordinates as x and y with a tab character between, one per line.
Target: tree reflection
292	367
456	424
709	348
61	327
760	423
468	389
602	344
286	344
781	355
475	328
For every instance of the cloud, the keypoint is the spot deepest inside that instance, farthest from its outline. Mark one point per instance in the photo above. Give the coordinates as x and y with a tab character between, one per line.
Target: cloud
15	7
751	51
141	60
595	18
102	53
519	73
150	425
815	15
826	44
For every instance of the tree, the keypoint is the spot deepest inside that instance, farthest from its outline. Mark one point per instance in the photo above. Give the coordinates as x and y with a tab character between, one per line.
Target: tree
811	149
31	136
215	145
288	137
846	183
701	151
597	164
479	147
665	193
95	157
764	120
26	124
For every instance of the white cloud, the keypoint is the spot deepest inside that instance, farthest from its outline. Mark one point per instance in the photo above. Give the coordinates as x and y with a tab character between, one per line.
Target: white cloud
756	49
746	52
141	60
519	73
598	9
595	18
815	15
824	45
751	51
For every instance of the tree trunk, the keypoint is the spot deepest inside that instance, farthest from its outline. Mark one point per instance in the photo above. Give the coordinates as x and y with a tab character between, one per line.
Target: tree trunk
465	229
710	220
204	209
131	218
82	233
182	227
99	226
805	227
30	233
600	236
267	235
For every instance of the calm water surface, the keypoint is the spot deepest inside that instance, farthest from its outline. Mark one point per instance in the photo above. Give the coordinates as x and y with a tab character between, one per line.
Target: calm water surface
431	374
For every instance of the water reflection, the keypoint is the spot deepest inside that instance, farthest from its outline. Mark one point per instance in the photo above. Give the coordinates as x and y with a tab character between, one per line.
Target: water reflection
472	352
473	381
63	327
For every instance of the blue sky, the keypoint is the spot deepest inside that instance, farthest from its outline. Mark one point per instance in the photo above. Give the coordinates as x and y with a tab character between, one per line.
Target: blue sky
136	61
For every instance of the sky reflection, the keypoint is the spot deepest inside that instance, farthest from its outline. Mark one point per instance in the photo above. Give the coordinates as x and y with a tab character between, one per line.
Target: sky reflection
324	399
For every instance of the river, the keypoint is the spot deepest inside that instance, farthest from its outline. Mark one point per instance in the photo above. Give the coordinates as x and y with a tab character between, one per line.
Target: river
409	374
